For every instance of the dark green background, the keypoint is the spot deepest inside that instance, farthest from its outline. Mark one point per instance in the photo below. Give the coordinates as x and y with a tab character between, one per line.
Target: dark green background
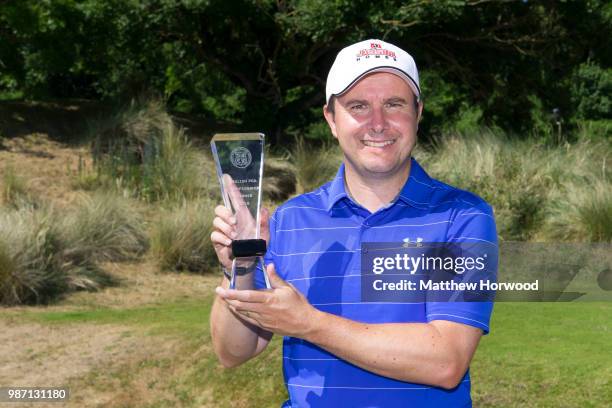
261	65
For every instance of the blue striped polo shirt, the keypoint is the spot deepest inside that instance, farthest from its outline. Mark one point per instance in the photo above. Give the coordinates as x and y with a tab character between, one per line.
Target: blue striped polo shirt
315	243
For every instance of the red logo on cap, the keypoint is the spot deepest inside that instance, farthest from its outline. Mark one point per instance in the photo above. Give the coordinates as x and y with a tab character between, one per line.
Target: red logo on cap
377	51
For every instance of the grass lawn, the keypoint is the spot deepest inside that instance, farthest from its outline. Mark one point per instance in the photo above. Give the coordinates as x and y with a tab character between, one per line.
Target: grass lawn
545	355
537	355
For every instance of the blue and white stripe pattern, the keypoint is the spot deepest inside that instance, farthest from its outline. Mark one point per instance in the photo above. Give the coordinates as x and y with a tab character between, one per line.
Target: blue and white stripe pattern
315	244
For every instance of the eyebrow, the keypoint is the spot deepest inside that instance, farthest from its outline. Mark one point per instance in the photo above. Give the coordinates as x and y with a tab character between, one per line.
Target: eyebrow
365	102
353	101
397	99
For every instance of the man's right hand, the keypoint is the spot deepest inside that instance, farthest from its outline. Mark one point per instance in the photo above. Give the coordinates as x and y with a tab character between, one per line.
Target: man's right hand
228	226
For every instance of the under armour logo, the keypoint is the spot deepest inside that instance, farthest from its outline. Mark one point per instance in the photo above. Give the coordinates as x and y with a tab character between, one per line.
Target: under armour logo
418	242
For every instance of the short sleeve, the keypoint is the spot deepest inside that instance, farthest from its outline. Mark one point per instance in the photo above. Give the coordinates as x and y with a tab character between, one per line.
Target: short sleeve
471	225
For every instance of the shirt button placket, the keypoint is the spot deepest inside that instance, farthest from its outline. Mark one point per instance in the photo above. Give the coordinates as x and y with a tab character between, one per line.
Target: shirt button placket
364	231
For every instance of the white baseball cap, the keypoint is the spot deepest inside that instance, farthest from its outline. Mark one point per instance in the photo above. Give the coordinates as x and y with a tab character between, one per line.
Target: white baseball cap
357	60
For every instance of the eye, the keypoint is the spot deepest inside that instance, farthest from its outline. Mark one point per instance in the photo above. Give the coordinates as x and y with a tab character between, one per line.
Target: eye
395	104
357	107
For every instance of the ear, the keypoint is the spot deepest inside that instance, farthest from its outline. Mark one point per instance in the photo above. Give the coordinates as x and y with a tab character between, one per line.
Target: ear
331	121
420	112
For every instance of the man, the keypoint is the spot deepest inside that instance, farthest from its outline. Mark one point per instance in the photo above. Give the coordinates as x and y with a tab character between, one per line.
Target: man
339	350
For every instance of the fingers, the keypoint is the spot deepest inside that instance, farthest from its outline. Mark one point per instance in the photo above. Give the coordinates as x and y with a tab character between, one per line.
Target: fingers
225	214
244	310
233	192
222	245
248	309
221	226
220	240
248	316
221	237
248	296
225	226
275	280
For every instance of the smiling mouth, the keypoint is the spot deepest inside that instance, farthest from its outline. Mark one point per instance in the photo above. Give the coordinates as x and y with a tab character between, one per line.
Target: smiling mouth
374	143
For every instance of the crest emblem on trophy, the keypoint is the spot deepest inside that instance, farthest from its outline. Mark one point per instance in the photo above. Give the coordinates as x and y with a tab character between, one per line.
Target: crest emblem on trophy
241	157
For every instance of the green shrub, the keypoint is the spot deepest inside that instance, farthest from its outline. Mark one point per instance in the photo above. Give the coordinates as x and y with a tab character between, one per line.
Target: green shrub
176	171
467	120
595	130
590	89
181	238
543	125
443	99
318	132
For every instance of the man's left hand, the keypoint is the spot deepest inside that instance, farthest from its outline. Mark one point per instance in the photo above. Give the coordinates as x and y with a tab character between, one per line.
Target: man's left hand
282	310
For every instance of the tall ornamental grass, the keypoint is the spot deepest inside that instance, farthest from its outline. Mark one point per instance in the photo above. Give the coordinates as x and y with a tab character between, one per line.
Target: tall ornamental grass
45	253
581	211
30	270
539	192
180	238
105	227
142	153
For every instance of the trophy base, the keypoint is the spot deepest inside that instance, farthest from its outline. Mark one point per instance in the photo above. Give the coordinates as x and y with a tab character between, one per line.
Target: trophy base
244	248
234	273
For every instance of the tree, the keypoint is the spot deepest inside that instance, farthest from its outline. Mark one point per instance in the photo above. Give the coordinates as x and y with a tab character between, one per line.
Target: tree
262	64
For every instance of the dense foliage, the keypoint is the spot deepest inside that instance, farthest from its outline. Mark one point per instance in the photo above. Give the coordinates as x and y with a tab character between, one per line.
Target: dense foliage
262	64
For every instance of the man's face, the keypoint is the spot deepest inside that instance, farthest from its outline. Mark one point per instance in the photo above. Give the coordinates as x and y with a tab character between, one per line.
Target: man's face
375	123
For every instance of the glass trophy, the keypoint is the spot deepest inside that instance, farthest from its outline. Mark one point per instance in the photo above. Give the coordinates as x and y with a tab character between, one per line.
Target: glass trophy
239	159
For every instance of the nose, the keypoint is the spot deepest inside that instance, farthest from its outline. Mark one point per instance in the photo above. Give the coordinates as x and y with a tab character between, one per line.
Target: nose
378	120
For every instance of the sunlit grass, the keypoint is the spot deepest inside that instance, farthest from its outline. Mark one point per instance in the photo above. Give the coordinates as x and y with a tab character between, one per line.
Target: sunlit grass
545	355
